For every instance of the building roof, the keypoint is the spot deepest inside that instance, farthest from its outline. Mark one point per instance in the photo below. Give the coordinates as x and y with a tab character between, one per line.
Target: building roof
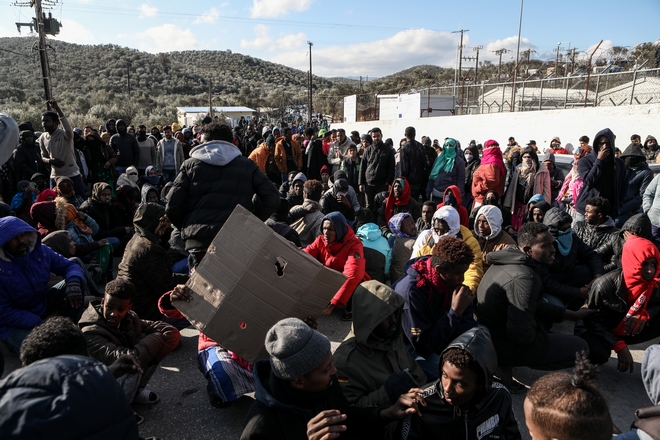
215	109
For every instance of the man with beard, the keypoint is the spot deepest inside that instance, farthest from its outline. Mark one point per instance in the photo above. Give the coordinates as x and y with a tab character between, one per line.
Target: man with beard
169	155
26	265
147	150
126	147
110	130
27	160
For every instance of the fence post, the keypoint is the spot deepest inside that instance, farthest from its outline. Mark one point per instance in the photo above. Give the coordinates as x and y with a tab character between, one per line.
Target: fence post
483	91
632	91
522	98
597	90
541	96
568	83
503	94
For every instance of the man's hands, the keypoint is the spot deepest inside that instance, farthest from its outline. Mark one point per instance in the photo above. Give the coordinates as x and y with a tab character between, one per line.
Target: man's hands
461	299
408	403
56	107
579	315
626	362
584	292
74	294
56	162
181	293
125	364
361	188
604	152
634	325
344	200
328	309
326	425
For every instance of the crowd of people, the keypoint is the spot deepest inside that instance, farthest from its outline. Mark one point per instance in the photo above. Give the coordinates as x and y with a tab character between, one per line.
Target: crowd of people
458	263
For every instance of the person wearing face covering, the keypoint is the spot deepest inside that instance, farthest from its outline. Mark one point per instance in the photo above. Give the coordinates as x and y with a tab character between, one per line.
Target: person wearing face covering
130	177
491	198
338	248
489	233
628	304
452	197
568	280
472	162
639	178
491	173
529	178
602	175
448	169
446	223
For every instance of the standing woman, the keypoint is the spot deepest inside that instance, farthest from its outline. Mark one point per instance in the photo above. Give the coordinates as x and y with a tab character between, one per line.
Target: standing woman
490	175
472	162
448	169
529	178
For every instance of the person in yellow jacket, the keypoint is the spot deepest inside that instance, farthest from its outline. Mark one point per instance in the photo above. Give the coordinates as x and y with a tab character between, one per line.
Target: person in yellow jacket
288	155
446	222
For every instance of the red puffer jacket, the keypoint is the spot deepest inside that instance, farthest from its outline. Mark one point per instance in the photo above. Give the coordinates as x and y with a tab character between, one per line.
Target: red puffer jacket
346	256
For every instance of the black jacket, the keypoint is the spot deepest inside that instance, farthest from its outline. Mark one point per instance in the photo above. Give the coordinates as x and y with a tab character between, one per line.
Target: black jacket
210	184
413	162
469	171
127	149
639	178
281	412
377	166
488	416
510	303
28	161
599	238
105	217
638	224
65	397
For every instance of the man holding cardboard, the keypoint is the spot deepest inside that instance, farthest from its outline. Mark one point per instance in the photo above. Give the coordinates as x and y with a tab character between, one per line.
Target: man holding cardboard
210	184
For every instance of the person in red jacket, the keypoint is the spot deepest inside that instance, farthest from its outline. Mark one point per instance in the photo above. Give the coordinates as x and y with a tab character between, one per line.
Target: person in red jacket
338	248
490	175
452	197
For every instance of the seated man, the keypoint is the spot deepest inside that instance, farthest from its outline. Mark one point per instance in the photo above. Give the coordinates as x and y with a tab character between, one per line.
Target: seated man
511	305
424	222
489	233
567	280
597	230
61	393
306	219
465	387
112	329
438	304
26	265
373	366
299	381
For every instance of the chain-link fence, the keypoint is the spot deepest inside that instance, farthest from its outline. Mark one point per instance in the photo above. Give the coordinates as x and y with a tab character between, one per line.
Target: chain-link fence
575	91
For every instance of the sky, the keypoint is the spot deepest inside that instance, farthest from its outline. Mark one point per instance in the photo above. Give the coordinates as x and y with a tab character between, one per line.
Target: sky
350	38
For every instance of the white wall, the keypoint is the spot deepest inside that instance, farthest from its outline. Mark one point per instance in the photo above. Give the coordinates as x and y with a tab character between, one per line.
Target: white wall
541	126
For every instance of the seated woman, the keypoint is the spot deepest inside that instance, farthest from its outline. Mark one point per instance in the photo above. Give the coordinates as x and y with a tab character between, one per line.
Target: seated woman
338	248
98	207
489	233
62	243
43	214
628	304
64	189
446	223
536	212
397	201
149	194
152	178
402	240
47	195
124	204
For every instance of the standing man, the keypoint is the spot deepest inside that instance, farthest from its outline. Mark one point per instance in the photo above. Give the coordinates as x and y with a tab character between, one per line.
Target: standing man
27	158
110	130
338	150
288	155
126	147
377	169
413	162
56	145
169	155
147	150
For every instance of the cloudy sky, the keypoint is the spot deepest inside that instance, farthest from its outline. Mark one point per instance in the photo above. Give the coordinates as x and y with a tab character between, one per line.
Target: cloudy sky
351	38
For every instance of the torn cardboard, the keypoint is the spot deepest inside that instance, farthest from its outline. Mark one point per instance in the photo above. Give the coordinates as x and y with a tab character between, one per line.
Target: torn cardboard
251	278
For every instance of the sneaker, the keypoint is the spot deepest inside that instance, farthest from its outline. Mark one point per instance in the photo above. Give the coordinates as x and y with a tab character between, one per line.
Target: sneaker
146	397
347	316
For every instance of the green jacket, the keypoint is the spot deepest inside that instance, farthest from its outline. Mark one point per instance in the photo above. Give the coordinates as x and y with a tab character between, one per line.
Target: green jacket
372	371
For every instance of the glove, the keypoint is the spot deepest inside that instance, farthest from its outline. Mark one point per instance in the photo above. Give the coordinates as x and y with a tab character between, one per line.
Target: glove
73	291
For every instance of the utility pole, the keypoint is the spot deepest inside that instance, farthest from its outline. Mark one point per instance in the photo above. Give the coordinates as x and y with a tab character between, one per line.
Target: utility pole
558	50
309	91
500	52
128	78
572	58
210	98
460	55
476	67
528	54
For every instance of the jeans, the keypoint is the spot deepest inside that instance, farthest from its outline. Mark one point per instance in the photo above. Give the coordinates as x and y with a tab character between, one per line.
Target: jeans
169	175
114	241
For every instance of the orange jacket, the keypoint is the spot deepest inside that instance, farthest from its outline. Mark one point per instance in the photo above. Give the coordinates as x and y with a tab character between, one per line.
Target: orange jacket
487	177
280	155
260	156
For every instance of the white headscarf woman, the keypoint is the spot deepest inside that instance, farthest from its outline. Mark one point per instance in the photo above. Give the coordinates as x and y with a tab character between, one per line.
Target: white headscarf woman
447	215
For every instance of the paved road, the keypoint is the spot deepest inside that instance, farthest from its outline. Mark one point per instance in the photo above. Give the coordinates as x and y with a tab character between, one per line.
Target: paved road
184	411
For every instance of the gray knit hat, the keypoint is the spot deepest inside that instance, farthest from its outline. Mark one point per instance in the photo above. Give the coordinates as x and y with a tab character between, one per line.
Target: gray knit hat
295	348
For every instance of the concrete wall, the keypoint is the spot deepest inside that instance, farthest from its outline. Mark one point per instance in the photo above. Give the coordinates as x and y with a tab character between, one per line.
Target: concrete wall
541	126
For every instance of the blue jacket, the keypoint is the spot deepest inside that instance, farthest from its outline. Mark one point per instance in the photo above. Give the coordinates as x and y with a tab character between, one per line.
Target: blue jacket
65	397
23	280
372	238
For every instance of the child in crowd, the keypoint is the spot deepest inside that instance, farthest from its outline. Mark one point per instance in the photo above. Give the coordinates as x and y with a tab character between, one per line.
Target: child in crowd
112	329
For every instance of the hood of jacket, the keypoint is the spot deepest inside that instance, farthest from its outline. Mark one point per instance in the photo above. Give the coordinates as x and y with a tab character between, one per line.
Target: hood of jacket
369	231
478	343
218	153
145	192
146	220
633	150
549	156
301	177
648	138
339	222
453	189
638	224
10	227
493	215
373	302
555	217
59	242
510	255
609	135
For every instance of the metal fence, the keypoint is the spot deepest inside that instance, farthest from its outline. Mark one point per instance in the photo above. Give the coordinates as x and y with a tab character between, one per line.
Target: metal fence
604	90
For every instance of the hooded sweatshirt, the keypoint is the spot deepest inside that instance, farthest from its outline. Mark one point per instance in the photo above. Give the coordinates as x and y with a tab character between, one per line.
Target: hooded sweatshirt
456	193
498	238
639	178
23	280
371	238
373	371
488	416
650	153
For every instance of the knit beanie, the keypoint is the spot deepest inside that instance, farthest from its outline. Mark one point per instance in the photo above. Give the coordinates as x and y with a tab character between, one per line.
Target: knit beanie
295	348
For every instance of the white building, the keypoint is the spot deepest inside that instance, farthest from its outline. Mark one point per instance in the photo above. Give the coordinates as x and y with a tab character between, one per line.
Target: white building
188	115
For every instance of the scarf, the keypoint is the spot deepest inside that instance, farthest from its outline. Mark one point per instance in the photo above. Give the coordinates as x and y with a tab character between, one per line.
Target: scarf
395	224
72	216
444	162
153	180
98	188
636	250
564	241
493	156
429	281
402	200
